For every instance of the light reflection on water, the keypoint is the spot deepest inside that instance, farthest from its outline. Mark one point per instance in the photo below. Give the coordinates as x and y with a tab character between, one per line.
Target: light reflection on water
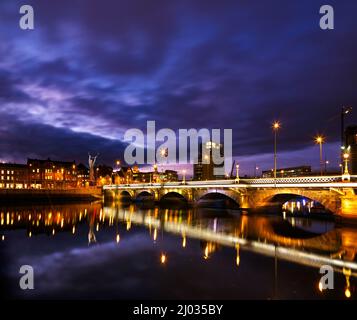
198	248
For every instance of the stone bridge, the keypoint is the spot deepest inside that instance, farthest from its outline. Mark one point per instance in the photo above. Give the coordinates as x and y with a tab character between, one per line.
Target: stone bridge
338	197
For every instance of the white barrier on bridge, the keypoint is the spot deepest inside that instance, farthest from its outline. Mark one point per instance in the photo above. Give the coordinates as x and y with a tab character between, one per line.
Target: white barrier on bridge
296	182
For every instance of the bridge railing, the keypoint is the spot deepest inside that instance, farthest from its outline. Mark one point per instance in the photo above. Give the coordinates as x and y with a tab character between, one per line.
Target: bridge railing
242	181
293	180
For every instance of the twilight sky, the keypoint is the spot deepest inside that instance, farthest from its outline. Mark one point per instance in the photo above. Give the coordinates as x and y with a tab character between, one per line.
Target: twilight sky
93	68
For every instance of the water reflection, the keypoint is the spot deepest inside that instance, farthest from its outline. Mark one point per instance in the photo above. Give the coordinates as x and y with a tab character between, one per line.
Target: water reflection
298	240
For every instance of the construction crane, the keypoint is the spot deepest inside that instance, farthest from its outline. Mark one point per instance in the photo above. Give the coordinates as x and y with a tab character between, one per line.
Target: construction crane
231	176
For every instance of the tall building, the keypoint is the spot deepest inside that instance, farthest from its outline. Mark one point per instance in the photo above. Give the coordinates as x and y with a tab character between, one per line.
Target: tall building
82	175
351	139
205	171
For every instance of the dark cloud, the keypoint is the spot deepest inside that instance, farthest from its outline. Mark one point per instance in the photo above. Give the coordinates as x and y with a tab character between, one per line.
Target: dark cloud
92	69
43	141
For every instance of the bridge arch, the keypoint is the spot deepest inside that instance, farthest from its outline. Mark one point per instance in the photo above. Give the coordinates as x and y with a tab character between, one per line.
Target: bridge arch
173	196
125	193
234	195
145	195
219	198
327	199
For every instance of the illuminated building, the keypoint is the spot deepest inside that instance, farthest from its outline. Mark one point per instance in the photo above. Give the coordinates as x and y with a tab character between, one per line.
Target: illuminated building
50	174
205	171
103	175
288	172
82	175
13	176
124	176
134	175
351	139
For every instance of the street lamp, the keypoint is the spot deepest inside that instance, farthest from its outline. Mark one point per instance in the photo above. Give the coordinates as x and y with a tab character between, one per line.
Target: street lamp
346	155
341	166
276	126
326	163
184	176
320	140
344	111
255	170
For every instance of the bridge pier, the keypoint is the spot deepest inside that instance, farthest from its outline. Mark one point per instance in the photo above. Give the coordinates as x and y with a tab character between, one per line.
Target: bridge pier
348	207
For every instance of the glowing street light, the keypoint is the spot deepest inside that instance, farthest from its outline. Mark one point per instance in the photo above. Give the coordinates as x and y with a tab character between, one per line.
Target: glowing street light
255	170
319	139
346	155
326	163
276	126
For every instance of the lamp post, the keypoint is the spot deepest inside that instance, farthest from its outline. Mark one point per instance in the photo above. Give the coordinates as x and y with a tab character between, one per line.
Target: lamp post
346	155
282	173
344	111
276	127
320	140
255	170
326	163
184	177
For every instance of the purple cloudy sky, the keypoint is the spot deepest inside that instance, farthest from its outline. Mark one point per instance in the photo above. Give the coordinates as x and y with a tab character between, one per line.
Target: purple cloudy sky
93	68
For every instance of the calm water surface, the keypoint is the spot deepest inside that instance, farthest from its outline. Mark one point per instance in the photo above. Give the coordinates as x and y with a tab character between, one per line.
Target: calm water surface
99	251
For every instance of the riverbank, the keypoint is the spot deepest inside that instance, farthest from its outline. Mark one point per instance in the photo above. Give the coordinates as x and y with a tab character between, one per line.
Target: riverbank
38	195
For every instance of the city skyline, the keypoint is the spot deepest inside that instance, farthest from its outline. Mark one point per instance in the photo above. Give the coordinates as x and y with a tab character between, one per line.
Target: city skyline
81	78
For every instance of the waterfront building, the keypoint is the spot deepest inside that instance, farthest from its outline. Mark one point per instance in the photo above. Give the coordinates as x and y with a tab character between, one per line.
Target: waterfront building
13	176
351	139
127	175
103	175
50	174
82	175
299	171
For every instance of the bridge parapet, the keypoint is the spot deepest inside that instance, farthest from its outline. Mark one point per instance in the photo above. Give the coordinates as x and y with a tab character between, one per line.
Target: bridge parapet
294	180
337	196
